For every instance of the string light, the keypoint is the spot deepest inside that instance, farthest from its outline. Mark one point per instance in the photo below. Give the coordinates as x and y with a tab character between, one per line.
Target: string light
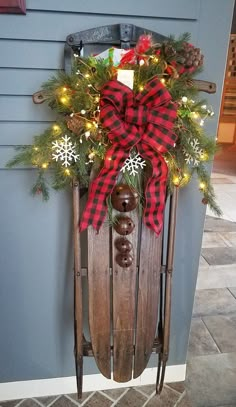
83	111
67	171
87	134
64	100
36	148
176	180
45	165
201	123
163	81
97	99
141	88
88	125
204	156
56	128
141	62
194	115
202	186
64	89
184	99
87	75
155	59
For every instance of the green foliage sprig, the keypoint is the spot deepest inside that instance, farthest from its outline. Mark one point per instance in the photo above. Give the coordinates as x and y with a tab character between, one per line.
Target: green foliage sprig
75	98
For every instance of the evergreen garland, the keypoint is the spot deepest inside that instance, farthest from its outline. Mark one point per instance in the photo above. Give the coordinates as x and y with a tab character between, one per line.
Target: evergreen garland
75	98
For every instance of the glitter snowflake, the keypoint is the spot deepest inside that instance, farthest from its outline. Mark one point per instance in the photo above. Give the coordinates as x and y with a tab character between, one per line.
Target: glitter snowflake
197	152
64	151
133	164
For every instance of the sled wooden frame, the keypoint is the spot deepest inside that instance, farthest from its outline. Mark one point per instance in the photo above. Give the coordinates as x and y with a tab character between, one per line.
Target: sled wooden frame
129	340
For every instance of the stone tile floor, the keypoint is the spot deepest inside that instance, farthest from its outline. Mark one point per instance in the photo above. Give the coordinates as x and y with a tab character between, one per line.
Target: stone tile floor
173	394
211	364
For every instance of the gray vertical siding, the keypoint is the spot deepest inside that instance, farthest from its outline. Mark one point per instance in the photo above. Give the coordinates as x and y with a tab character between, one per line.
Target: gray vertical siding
36	327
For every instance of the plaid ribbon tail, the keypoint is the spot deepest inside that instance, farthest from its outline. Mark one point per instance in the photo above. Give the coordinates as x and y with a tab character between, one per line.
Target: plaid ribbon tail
155	191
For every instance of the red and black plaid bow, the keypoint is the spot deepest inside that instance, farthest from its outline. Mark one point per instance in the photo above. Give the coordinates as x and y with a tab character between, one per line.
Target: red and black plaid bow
146	122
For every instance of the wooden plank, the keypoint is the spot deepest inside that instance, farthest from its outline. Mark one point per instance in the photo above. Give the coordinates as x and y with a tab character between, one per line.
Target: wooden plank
18	133
22	108
152	8
148	297
124	298
58	25
23	81
99	297
28	54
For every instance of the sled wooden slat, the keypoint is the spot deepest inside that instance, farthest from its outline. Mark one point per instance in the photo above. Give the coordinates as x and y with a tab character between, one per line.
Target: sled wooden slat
99	297
124	287
148	297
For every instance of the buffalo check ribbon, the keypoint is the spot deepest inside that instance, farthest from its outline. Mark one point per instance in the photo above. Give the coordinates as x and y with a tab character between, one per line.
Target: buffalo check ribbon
144	121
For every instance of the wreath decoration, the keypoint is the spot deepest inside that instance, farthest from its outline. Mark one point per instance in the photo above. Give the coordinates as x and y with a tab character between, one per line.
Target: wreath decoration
157	127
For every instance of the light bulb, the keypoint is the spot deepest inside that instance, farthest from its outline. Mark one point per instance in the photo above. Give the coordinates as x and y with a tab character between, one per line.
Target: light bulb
184	99
45	165
67	171
56	128
176	180
64	100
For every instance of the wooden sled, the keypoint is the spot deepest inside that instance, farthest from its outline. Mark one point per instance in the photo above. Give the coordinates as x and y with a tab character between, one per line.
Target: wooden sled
130	306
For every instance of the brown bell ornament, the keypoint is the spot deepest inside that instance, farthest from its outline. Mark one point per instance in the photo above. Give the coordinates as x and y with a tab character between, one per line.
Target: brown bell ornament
123	245
123	198
124	260
124	225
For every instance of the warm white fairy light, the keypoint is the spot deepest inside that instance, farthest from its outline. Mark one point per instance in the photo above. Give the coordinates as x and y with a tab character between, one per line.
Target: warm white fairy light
184	99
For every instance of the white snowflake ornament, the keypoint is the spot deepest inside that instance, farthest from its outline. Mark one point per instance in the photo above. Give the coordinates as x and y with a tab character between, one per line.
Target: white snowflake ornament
196	158
64	151
133	164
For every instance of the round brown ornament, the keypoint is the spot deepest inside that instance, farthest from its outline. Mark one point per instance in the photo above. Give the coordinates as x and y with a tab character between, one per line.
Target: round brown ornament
123	198
123	245
124	225
124	260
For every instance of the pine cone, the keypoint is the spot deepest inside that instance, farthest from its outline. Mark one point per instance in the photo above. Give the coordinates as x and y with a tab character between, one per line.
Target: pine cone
190	57
168	50
74	124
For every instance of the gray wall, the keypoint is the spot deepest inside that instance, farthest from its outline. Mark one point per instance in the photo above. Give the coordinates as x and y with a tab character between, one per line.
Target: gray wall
36	337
